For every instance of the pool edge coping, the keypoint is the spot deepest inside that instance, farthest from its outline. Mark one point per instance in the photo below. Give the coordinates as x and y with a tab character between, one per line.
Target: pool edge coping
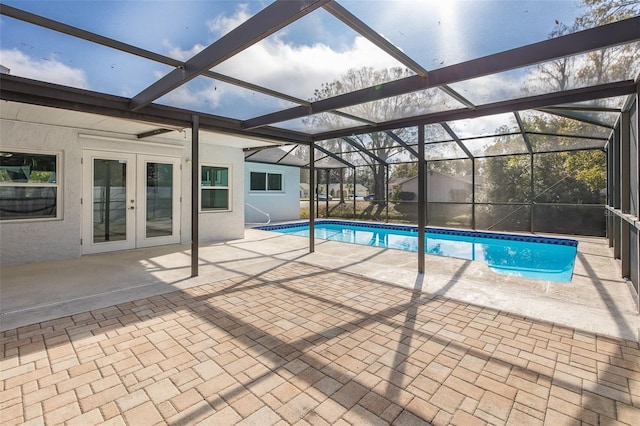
432	230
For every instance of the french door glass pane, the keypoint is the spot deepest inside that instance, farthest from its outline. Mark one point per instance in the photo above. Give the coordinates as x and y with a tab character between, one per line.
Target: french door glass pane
109	200
159	200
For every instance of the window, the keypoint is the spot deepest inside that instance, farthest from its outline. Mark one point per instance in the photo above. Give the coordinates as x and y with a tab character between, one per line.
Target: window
261	181
29	187
214	188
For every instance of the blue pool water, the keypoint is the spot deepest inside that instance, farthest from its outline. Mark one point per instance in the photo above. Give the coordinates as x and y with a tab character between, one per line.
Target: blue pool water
542	258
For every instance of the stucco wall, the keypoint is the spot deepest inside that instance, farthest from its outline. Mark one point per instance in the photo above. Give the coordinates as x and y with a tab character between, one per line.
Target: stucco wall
215	226
44	240
281	206
31	241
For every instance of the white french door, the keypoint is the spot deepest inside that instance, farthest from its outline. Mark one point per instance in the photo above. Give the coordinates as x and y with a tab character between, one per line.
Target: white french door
129	201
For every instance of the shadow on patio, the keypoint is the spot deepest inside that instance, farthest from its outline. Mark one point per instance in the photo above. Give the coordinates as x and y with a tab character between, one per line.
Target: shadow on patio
304	342
263	335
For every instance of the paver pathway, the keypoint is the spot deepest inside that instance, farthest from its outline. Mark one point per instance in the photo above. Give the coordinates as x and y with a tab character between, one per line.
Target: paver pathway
303	345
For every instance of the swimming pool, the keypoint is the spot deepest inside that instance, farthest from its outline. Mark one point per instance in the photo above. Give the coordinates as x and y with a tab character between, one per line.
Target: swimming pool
535	257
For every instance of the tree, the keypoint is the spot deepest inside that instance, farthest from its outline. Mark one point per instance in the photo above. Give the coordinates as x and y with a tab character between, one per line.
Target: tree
405	170
600	12
336	146
558	176
557	73
507	179
595	67
589	167
579	176
380	144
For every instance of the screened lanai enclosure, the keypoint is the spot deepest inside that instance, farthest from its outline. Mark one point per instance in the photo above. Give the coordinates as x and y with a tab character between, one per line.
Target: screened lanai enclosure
491	115
502	182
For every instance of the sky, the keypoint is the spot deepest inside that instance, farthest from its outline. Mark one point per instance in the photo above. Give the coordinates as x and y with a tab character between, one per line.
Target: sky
296	60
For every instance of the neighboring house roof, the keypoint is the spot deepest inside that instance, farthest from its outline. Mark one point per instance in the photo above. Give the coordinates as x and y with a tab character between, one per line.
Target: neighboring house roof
399	181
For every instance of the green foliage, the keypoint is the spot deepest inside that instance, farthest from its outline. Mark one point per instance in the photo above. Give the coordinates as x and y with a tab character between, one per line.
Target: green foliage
589	167
405	196
507	179
565	168
41	176
558	177
405	170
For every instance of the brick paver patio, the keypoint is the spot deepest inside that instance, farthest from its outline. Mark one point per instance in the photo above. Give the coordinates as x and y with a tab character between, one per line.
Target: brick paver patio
303	345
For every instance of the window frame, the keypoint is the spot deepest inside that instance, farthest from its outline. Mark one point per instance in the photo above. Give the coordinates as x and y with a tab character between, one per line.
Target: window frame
266	182
57	185
228	187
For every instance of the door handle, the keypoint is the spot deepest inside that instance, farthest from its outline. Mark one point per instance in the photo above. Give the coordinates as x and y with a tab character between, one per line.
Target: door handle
132	208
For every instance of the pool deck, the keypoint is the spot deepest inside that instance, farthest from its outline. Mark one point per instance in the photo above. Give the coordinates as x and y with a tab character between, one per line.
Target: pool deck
269	334
596	300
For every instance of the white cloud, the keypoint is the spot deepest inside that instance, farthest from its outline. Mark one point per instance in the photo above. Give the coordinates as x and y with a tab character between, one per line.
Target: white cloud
186	97
483	126
45	69
182	97
221	25
180	54
296	69
302	69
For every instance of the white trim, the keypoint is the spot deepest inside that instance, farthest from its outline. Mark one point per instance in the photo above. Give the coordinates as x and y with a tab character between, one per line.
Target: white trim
267	190
135	201
229	187
129	242
141	201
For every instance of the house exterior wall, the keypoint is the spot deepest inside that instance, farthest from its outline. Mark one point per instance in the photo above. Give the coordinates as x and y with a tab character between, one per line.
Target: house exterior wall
39	240
410	186
280	205
32	241
443	188
440	188
216	226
